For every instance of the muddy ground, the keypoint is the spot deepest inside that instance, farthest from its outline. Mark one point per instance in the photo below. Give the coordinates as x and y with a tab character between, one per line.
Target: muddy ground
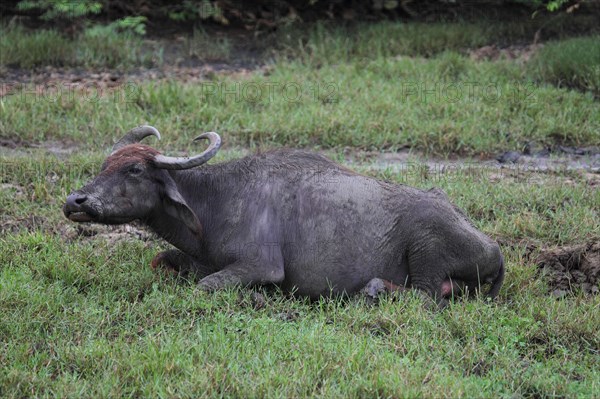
72	233
534	159
571	268
178	63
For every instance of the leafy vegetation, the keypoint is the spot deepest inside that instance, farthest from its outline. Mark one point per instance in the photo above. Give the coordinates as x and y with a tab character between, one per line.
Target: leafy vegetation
277	13
55	9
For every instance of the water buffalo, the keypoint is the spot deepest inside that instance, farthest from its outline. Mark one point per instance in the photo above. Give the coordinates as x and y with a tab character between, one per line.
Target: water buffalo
292	218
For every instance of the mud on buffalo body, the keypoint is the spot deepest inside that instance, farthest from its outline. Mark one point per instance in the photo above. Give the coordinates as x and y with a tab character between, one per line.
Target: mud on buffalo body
289	217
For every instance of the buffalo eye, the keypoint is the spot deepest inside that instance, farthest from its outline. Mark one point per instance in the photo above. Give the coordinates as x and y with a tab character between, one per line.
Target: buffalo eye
135	170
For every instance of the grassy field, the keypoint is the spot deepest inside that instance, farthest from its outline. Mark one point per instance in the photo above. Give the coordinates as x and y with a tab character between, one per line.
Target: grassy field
83	315
86	315
448	104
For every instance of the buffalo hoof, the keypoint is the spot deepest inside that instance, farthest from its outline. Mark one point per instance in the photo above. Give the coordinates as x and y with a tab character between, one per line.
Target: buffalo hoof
376	287
161	262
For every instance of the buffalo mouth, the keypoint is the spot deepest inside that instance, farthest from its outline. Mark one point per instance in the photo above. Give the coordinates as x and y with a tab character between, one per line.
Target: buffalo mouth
77	214
80	217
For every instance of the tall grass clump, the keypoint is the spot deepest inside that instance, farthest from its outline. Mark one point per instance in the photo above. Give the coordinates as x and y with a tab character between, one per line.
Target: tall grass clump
103	46
99	46
201	45
30	49
332	44
573	63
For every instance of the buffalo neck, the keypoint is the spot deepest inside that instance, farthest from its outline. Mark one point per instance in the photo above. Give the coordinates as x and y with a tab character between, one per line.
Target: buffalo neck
202	192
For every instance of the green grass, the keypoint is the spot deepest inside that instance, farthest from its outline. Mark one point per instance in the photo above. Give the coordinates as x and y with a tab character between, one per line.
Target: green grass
85	317
570	63
203	46
335	44
94	48
317	43
28	50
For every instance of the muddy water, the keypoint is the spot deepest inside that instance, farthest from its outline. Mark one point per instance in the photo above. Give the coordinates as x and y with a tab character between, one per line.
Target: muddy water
586	160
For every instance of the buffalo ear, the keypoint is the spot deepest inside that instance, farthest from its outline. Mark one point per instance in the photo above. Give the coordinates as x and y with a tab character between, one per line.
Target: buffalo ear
176	206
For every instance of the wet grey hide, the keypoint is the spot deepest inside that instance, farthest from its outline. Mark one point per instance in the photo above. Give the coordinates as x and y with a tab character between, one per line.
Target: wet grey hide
291	218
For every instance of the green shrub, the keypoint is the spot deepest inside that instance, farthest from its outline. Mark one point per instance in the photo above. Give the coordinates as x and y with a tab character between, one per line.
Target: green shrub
55	9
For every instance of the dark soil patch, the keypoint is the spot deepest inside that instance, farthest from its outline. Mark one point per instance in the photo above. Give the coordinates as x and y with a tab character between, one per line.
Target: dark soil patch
66	83
480	369
10	225
13	143
528	248
521	53
51	146
289	315
553	157
572	268
253	300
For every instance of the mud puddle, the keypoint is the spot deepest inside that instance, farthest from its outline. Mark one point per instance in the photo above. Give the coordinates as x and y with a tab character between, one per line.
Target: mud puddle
517	166
571	269
519	53
510	164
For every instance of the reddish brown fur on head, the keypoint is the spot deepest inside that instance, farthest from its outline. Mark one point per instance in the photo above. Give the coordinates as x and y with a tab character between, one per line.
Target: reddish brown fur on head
133	153
131	186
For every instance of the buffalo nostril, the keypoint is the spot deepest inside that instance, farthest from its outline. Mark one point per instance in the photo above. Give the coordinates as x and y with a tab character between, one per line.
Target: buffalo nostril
80	200
74	200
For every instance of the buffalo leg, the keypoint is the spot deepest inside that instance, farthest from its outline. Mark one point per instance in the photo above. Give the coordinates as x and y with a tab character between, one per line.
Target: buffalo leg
241	273
452	288
377	286
178	263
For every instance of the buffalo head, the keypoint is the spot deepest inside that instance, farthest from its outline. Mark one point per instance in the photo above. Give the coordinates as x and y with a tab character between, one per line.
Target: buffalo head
135	182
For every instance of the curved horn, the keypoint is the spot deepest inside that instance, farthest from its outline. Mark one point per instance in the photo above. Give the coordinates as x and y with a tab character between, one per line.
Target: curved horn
135	135
179	163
